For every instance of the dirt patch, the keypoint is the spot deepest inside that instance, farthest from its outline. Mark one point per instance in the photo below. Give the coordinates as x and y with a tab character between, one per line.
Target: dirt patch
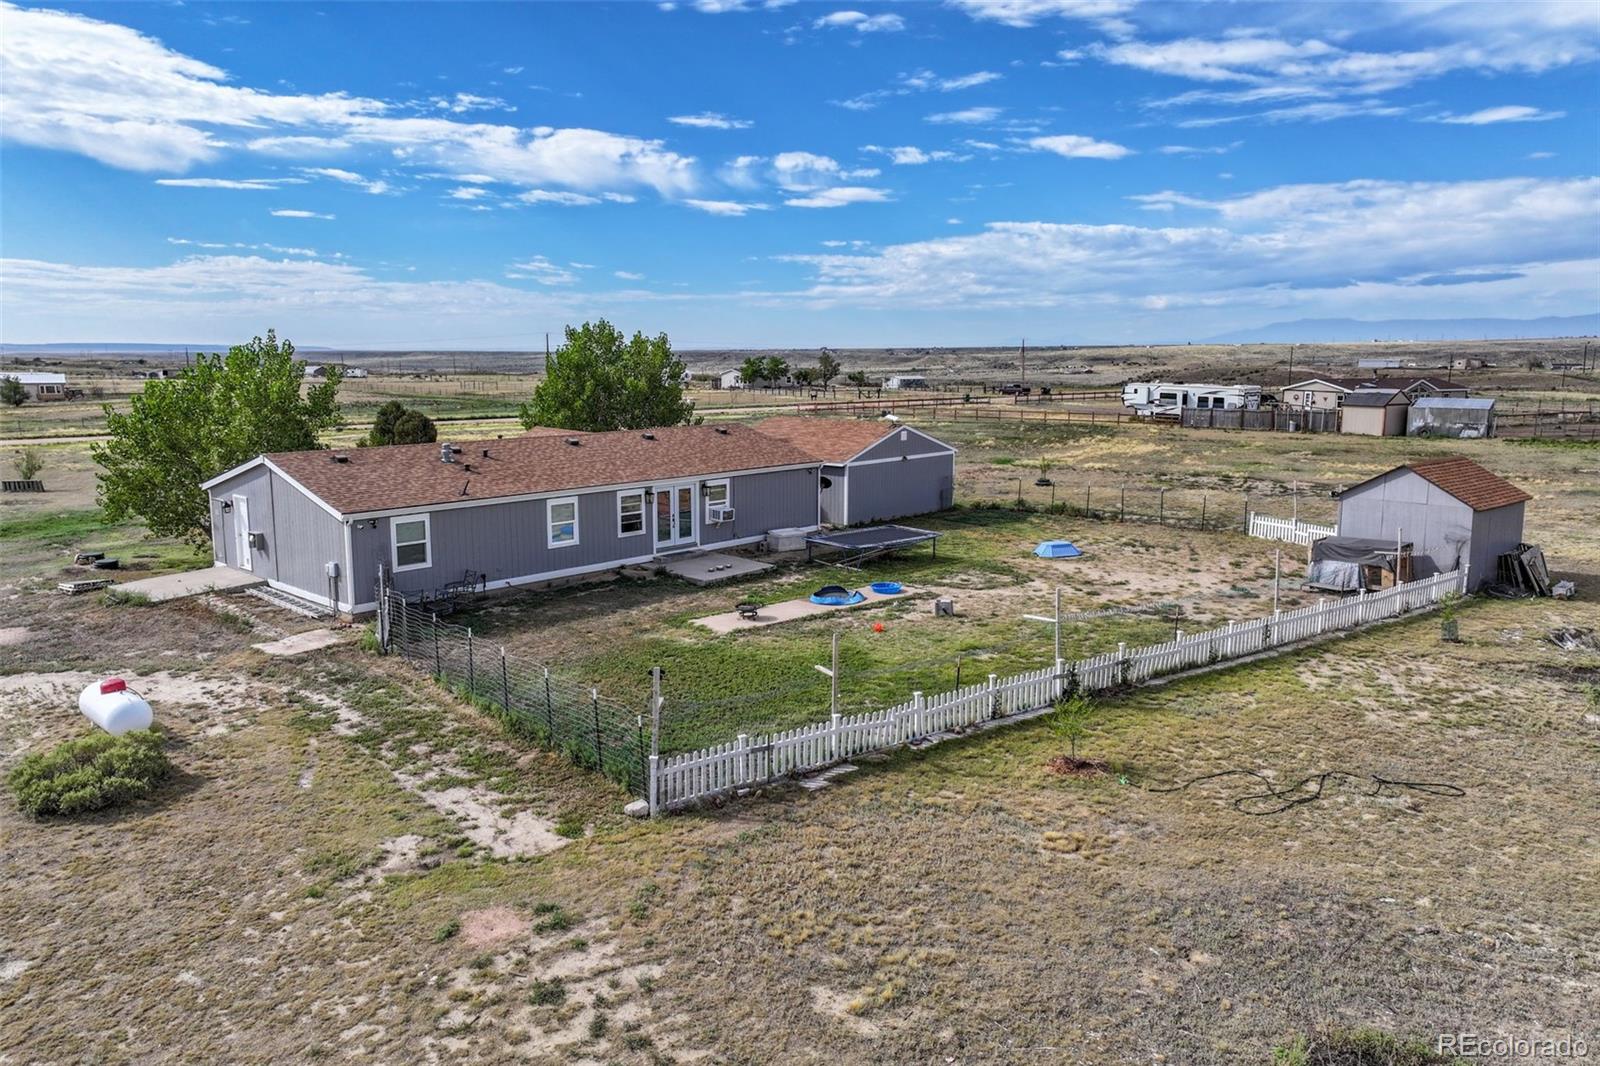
1075	766
477	809
491	926
13	635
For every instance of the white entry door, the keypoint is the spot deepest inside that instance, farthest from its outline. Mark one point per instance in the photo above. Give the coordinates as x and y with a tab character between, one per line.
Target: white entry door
674	516
241	533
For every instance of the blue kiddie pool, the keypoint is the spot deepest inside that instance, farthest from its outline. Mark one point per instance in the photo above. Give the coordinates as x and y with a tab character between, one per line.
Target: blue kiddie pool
886	588
836	596
1057	549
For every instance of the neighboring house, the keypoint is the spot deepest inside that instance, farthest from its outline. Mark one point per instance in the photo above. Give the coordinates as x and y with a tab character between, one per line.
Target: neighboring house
1467	362
1416	388
316	370
1375	413
730	379
1451	416
39	386
873	470
1451	511
526	509
1324	394
906	381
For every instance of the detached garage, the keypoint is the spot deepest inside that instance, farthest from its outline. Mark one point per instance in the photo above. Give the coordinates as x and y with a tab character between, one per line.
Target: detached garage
872	471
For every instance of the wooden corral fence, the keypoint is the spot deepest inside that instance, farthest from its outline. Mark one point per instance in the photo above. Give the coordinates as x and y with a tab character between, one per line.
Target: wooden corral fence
947	412
749	760
887	403
1295	530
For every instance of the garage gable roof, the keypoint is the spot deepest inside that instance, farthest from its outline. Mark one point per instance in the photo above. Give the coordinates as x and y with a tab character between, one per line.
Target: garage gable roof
362	480
1461	478
834	440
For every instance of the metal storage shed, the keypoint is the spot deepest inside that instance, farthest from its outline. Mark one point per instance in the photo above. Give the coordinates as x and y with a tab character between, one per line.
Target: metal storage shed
1451	416
1451	510
872	471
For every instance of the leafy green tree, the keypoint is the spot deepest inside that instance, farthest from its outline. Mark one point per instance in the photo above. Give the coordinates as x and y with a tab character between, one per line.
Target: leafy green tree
751	371
220	412
827	368
1070	719
776	369
599	380
395	423
803	375
858	378
12	392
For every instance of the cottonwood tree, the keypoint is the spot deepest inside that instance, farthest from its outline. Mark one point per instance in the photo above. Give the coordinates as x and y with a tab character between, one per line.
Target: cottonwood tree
827	368
776	369
220	412
599	380
751	370
12	392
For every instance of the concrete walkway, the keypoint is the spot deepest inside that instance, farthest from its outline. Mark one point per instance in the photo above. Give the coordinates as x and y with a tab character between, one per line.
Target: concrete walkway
191	583
789	610
310	640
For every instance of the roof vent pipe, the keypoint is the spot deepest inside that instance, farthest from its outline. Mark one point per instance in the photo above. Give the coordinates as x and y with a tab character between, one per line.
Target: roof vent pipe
447	454
648	436
574	441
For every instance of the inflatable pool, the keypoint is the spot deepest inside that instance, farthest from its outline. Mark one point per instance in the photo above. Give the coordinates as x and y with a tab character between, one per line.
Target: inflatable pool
886	588
836	596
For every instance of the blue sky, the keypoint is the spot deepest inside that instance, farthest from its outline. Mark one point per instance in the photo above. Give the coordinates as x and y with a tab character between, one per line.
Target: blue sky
751	174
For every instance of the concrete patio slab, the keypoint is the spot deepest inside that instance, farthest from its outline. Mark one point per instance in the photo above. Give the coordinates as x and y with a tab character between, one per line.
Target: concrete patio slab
789	610
190	583
712	567
310	640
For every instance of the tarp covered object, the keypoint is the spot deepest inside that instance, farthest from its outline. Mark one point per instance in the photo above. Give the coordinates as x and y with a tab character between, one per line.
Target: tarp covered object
1057	549
1336	562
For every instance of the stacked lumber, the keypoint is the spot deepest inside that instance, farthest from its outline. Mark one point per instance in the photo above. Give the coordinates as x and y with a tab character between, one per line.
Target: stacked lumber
1523	570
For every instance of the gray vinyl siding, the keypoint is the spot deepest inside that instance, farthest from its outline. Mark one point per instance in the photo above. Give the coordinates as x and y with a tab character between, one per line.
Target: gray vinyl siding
301	537
833	495
882	491
892	447
509	541
1440	528
1493	533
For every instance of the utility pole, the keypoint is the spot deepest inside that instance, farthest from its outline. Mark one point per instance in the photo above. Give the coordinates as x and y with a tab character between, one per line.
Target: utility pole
1024	359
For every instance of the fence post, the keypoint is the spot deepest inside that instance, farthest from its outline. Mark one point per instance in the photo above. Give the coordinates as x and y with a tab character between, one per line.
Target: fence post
1464	568
1247	512
994	696
505	682
743	747
834	747
1122	512
438	667
918	727
594	703
655	787
549	708
1060	687
472	676
1161	509
1122	663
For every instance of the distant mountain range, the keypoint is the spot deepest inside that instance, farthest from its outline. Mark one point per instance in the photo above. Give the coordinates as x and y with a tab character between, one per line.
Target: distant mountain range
69	348
1348	330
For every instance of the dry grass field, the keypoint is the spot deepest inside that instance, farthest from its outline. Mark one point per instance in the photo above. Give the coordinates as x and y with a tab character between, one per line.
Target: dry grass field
353	866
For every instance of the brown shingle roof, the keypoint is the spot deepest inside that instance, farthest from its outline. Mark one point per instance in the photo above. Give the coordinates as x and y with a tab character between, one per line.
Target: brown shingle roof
1375	398
1469	482
1463	479
411	475
833	440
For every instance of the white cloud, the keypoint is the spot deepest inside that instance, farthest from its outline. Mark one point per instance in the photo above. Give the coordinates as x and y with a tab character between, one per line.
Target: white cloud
557	196
468	192
1073	146
77	84
628	275
804	170
966	116
259	184
541	270
1324	111
278	248
839	196
1541	155
968	81
348	177
513	71
733	208
910	155
461	103
710	120
861	22
1185	149
1104	15
1508	113
1290	245
295	212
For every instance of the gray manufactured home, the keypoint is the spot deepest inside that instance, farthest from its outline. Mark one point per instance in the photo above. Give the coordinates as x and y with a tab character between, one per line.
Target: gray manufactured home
545	505
1452	511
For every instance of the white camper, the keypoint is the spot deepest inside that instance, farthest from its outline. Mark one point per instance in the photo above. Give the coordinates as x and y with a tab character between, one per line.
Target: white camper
1172	398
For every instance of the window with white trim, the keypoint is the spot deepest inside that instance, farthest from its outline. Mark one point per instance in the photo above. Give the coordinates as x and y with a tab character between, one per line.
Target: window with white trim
630	513
409	535
715	494
562	518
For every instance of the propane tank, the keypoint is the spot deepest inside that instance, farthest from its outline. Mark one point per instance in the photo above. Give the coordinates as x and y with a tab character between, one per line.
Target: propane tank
114	707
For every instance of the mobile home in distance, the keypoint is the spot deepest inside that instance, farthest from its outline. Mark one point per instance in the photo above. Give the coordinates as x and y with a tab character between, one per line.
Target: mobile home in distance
906	381
1172	398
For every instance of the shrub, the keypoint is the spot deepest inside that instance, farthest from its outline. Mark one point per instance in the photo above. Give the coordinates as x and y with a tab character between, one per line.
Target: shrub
90	773
1357	1047
29	462
1070	719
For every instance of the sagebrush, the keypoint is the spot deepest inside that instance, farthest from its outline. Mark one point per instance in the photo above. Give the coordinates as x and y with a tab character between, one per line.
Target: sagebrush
90	773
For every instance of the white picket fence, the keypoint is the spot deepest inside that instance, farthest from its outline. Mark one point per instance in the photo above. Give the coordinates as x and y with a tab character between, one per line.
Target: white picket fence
1297	530
749	760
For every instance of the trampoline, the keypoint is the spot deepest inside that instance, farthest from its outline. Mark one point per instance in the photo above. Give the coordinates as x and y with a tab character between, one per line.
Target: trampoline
859	545
1057	549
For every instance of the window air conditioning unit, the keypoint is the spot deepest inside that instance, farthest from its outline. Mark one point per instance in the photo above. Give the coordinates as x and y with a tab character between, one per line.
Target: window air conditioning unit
720	513
258	540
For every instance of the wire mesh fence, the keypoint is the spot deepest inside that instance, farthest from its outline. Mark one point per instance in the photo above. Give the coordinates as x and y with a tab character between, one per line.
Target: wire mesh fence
552	711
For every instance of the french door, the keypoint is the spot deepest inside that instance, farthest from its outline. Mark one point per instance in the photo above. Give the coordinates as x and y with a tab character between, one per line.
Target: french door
674	516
